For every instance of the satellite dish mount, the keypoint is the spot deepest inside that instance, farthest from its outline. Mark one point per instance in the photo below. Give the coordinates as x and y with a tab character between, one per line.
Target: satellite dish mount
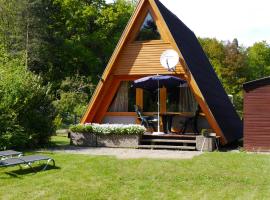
169	59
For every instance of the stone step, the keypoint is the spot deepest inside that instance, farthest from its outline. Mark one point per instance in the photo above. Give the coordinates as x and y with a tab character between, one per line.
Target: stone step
167	147
168	141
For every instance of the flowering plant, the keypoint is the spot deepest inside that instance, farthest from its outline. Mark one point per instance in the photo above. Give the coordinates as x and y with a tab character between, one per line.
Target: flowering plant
109	129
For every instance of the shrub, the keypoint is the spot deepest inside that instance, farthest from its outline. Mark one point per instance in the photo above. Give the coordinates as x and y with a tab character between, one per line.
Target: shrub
109	129
81	128
26	110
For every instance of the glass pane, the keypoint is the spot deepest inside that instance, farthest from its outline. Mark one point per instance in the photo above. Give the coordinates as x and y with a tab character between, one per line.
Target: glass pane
125	98
180	99
148	30
131	97
150	101
172	103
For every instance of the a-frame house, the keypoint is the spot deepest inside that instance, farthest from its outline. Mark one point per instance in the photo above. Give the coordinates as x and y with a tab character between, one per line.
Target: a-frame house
138	54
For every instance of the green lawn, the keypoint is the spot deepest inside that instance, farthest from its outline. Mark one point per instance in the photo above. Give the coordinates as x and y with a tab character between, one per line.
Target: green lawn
59	140
209	176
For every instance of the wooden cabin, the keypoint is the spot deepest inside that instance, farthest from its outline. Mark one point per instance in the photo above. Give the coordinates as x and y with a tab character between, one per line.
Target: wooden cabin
151	30
257	115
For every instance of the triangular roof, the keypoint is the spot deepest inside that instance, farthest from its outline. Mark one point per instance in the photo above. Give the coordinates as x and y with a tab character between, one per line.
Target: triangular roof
204	75
202	78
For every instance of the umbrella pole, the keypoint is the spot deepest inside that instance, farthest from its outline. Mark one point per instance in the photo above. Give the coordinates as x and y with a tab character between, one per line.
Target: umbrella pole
158	109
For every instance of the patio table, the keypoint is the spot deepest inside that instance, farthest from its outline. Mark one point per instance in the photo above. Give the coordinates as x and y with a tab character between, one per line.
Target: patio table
167	118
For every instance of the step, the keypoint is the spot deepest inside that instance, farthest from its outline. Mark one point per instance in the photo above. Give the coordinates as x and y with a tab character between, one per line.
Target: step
167	147
169	136
168	141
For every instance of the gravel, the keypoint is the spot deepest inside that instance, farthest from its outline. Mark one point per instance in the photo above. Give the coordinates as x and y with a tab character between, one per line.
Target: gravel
124	153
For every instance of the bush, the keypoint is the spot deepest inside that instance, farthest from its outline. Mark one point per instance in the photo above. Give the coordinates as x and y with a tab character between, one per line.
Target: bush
26	110
109	129
72	100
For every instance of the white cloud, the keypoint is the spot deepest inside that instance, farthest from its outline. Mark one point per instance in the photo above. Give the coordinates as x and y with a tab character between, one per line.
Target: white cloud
246	20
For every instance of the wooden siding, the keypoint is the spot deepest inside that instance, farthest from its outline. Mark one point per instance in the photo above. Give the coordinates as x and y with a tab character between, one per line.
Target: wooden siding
143	58
257	119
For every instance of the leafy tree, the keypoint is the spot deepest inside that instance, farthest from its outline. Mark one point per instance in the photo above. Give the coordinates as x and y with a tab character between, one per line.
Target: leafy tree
215	52
259	60
26	110
81	37
230	63
73	97
22	26
112	21
234	72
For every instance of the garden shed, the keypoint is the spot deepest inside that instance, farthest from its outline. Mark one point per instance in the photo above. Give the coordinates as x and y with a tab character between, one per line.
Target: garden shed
257	115
152	30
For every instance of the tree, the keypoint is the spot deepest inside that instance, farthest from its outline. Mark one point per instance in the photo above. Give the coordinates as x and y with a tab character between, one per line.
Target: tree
22	25
234	72
259	60
215	51
26	110
230	63
73	97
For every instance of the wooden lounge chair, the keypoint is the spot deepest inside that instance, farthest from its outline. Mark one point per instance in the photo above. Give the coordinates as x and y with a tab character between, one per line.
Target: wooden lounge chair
9	153
26	160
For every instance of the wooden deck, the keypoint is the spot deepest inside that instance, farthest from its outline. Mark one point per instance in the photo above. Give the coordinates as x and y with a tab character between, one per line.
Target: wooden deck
168	141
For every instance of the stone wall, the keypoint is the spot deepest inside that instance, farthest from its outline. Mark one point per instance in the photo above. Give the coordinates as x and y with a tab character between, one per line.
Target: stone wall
92	140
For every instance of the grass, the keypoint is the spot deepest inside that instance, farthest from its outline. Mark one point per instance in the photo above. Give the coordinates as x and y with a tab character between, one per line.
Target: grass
59	140
209	176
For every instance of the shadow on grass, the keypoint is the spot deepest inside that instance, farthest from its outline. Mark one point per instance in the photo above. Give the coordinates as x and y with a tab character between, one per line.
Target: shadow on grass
237	145
28	170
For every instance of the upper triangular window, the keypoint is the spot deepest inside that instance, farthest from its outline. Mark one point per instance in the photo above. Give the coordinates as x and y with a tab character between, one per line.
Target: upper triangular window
148	30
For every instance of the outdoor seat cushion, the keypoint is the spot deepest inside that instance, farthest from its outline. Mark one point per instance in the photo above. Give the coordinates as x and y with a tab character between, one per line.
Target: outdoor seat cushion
23	160
8	153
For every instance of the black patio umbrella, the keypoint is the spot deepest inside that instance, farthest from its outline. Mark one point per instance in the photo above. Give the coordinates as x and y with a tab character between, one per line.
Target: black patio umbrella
156	82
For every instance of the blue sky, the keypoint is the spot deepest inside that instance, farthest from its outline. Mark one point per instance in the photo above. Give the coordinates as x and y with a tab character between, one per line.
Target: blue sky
246	20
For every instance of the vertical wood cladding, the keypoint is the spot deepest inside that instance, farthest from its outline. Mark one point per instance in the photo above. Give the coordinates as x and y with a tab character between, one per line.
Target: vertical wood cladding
257	119
143	58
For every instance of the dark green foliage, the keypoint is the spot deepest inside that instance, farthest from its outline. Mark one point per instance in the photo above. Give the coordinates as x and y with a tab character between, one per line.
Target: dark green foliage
81	128
64	42
26	110
72	99
81	36
258	60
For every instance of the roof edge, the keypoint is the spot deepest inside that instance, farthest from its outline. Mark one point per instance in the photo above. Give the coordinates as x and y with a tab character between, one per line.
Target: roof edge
251	85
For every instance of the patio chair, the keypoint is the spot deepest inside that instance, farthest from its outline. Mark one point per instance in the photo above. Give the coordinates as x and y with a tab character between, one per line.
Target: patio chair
26	160
192	121
147	121
9	154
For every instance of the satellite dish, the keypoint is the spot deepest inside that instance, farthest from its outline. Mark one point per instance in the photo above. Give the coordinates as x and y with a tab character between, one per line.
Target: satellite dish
169	59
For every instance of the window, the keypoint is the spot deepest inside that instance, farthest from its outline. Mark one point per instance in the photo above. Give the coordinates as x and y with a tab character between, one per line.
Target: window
180	99
125	98
150	99
148	30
